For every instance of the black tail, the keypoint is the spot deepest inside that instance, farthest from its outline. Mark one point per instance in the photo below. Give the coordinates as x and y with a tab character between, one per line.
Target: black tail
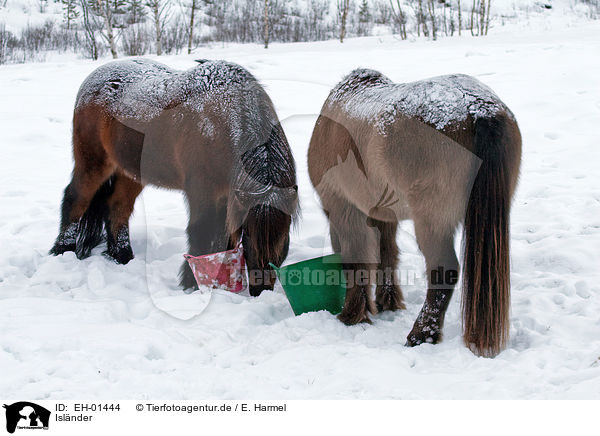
91	225
486	267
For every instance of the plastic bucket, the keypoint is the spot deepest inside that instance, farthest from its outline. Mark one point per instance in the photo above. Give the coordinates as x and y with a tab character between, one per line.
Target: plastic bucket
223	270
314	284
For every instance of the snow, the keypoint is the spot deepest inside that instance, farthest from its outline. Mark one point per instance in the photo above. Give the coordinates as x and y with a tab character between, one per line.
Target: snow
139	90
94	329
17	14
440	101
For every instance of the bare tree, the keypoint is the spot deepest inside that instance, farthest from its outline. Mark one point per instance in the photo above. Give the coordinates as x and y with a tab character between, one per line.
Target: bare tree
160	10
343	7
6	38
431	8
421	20
473	8
480	17
175	36
90	26
70	11
193	6
459	19
109	36
399	17
444	18
266	24
487	19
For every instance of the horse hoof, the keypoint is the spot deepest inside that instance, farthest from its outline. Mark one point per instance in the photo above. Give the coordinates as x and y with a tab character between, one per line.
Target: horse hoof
255	291
61	249
121	256
187	280
420	337
354	318
389	299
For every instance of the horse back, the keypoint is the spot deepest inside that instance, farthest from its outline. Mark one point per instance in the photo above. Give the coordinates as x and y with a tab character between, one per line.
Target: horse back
416	139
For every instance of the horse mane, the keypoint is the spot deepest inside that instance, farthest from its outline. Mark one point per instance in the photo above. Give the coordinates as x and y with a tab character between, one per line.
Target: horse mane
361	78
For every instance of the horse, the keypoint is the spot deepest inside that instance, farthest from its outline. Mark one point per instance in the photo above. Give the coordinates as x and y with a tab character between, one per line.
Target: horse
211	132
441	152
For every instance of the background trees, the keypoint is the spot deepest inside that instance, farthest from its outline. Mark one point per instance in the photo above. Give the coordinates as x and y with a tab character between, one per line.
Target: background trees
140	27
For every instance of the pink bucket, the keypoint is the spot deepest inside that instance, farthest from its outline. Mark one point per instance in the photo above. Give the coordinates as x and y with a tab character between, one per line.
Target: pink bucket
224	270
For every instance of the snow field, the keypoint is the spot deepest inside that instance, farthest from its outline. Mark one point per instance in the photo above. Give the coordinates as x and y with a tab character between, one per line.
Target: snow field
94	329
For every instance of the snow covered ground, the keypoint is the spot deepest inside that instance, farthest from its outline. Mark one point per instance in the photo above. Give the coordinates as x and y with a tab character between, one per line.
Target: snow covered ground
94	329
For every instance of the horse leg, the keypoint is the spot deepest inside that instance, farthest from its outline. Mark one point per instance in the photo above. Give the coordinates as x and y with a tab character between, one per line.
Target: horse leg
86	182
334	237
442	274
221	239
388	295
120	207
206	221
357	241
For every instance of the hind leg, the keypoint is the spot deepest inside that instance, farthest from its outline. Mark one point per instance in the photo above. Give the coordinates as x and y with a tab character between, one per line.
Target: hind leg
92	169
388	295
334	237
442	274
357	242
120	207
78	194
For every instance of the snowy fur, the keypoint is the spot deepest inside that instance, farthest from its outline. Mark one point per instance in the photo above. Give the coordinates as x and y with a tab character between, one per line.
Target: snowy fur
442	102
136	91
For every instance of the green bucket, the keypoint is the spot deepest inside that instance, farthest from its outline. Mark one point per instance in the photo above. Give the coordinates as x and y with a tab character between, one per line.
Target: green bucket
314	284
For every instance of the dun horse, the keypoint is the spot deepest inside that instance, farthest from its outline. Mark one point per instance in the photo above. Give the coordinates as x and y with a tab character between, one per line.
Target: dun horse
442	152
210	131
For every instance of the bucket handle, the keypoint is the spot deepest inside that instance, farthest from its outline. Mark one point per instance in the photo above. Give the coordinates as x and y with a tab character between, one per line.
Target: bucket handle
274	267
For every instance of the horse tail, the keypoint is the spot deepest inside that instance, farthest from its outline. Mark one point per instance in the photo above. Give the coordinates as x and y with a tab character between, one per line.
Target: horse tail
91	224
486	266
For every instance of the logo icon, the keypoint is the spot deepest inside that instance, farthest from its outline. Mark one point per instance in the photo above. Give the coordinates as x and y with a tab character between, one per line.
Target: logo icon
26	415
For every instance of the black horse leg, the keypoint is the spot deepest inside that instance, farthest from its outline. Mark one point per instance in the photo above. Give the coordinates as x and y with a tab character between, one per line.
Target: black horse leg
360	255
442	275
67	235
388	295
120	205
88	182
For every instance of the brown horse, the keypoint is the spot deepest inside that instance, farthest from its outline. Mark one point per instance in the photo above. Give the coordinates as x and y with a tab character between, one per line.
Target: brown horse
210	131
442	152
